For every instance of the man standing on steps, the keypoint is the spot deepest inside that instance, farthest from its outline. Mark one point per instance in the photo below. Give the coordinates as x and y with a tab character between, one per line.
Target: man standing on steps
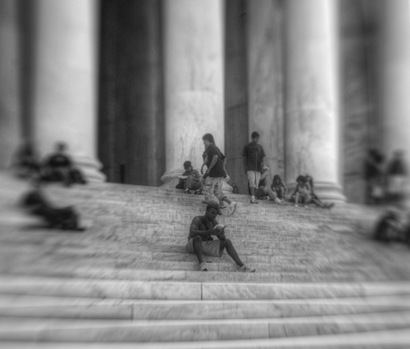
214	175
253	158
200	239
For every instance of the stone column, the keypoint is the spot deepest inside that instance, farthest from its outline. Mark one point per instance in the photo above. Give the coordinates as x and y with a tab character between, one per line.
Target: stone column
65	80
265	75
10	128
394	68
312	95
193	38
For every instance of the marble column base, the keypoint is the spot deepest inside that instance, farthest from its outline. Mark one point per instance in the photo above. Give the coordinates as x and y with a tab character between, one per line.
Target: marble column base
327	192
170	180
90	168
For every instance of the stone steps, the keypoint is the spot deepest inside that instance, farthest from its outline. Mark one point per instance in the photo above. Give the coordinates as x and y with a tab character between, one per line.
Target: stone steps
128	281
390	339
15	306
193	290
52	330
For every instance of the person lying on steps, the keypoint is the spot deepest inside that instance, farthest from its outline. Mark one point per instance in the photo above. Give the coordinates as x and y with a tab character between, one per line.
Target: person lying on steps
200	239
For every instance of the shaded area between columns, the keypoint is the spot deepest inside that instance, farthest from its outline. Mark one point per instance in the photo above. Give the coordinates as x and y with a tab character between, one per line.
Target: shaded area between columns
236	91
357	32
131	116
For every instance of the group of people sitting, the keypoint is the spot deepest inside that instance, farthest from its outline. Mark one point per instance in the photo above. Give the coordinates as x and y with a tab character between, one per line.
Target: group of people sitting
277	191
57	167
212	180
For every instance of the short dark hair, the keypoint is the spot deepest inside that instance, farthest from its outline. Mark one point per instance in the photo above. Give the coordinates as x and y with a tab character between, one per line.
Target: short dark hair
187	165
213	205
255	134
208	137
301	178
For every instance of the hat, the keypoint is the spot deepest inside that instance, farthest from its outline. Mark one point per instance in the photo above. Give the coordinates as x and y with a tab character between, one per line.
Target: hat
213	205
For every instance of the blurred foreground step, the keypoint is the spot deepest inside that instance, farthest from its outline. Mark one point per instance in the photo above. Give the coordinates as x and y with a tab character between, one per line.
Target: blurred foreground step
193	290
387	339
112	308
52	330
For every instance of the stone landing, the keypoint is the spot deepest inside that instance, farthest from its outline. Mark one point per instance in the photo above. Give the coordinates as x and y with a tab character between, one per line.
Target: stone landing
127	281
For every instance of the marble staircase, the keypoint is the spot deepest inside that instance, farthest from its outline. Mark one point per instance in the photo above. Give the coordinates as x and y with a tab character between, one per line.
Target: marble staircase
128	282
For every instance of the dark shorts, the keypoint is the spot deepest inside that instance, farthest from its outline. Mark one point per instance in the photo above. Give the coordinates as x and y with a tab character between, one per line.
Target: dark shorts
209	248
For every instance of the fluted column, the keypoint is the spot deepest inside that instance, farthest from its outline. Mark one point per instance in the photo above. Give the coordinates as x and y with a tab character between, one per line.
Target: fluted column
312	95
265	76
193	52
394	71
10	127
65	79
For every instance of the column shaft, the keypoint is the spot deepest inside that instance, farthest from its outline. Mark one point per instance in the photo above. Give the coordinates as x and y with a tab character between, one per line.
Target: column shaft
312	95
193	39
394	84
10	124
265	75
65	79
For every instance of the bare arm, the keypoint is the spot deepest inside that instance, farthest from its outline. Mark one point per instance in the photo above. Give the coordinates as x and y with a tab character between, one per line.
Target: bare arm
212	164
202	233
296	189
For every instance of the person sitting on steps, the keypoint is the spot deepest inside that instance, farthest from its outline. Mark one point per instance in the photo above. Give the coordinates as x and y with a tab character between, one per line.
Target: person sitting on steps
190	179
279	187
264	191
302	191
200	239
60	167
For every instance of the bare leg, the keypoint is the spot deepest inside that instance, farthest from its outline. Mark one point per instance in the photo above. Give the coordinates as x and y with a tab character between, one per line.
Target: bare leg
297	199
198	248
226	200
227	244
272	195
318	203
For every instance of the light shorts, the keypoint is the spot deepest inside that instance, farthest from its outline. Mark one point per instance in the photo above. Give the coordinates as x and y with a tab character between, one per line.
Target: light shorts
254	178
209	248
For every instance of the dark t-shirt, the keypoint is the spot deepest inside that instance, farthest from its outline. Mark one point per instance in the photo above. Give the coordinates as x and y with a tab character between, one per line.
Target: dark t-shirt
59	160
203	224
253	154
218	169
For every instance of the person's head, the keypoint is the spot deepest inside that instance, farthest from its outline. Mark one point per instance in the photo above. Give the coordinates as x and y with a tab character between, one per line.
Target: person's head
208	139
301	179
212	210
255	137
187	166
61	147
277	179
